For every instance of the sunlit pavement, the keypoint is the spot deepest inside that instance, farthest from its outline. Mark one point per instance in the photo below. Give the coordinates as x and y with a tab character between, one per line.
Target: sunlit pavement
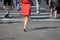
36	30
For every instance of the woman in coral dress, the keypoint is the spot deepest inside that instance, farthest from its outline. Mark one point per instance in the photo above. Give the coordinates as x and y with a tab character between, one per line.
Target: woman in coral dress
26	11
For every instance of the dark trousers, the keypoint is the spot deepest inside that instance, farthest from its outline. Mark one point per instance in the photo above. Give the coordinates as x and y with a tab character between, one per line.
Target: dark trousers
7	2
47	2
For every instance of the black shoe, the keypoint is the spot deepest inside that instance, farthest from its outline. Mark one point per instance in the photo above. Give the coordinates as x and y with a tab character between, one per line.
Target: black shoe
6	16
24	30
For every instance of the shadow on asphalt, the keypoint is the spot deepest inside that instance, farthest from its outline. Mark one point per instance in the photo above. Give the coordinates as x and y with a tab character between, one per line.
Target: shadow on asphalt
42	18
7	38
41	28
9	22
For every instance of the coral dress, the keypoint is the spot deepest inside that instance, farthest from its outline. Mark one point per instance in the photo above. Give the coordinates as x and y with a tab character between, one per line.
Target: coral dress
26	7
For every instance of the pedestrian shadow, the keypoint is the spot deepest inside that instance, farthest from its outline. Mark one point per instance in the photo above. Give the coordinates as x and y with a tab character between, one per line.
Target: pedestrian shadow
9	22
42	18
4	21
8	38
41	28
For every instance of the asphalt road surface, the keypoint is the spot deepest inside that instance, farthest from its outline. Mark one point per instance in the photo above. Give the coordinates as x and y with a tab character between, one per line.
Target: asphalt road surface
36	30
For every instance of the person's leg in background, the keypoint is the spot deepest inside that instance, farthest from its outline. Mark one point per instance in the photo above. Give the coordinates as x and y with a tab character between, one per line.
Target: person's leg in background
37	6
4	4
55	12
51	12
8	9
51	9
39	2
17	5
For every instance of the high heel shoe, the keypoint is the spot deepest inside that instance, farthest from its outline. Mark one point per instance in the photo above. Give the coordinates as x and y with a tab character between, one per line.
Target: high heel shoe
6	16
24	30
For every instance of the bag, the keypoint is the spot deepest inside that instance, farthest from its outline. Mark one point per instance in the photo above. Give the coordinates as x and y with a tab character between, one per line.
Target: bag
54	3
26	1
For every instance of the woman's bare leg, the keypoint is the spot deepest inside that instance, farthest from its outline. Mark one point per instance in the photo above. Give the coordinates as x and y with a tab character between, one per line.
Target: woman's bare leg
25	22
8	11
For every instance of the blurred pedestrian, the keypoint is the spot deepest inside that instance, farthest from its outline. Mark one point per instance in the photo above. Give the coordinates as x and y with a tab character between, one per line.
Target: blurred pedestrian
38	2
26	11
57	8
38	6
53	4
50	6
7	5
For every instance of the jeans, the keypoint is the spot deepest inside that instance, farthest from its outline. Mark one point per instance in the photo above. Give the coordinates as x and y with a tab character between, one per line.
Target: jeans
7	2
38	4
17	4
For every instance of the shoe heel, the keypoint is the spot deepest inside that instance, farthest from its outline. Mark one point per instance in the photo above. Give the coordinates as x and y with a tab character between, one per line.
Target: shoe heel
24	30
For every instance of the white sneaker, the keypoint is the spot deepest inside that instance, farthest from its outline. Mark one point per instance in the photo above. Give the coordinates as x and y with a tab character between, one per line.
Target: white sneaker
37	11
